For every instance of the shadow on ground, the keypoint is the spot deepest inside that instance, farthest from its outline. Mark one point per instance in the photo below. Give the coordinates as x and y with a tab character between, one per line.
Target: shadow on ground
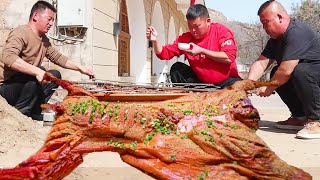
268	126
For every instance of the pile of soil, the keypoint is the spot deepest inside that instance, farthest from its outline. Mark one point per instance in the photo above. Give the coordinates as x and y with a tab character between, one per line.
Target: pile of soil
20	135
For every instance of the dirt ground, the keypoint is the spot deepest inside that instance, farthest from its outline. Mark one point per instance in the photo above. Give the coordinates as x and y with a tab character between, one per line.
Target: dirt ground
21	137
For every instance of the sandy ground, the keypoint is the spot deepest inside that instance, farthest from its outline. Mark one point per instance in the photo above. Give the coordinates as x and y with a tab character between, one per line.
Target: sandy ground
304	154
20	137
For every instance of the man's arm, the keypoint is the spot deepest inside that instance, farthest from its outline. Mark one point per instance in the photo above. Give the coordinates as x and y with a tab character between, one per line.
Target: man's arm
56	57
284	71
258	67
256	71
166	52
21	66
221	56
282	75
76	67
152	35
157	47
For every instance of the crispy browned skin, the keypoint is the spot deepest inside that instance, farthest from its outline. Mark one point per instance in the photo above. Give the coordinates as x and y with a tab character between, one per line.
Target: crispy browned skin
204	135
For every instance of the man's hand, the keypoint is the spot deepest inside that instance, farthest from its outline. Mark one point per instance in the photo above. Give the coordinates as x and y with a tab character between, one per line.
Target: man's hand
21	66
87	71
195	49
265	91
77	67
152	34
39	75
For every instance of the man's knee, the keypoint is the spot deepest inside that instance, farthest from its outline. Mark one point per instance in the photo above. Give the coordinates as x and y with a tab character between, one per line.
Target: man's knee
33	87
300	72
177	66
300	69
55	73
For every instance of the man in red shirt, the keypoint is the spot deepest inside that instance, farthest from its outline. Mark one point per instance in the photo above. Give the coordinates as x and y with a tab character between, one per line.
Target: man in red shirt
211	56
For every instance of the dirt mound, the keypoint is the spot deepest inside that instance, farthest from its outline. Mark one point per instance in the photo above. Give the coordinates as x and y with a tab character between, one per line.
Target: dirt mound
20	135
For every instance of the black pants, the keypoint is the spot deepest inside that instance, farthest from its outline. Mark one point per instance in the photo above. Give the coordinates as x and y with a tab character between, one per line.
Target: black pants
182	73
26	94
302	92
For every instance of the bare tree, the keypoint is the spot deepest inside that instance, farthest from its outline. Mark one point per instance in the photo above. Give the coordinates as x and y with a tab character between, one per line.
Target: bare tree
309	12
251	40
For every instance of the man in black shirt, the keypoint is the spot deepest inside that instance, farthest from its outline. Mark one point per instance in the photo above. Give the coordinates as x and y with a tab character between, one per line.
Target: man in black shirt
296	49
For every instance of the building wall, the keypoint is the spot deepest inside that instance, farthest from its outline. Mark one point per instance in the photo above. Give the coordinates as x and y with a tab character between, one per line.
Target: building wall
79	52
105	50
140	66
100	48
160	14
11	16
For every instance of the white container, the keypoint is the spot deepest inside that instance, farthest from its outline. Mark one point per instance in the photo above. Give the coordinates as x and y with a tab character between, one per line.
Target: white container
184	46
48	118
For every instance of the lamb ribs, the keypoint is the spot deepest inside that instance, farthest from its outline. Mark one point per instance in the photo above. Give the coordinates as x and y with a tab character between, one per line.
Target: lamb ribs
197	136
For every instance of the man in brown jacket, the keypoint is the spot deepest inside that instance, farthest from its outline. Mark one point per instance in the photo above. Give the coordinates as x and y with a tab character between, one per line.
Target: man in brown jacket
20	71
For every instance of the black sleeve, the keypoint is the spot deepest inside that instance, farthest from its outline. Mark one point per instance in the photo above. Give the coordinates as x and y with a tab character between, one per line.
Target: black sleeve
296	43
268	52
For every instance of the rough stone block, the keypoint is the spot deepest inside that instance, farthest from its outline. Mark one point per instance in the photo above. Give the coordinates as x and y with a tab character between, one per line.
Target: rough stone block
4	4
3	36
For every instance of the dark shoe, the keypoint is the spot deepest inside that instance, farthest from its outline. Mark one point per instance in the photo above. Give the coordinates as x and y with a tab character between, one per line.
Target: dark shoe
291	124
37	117
47	123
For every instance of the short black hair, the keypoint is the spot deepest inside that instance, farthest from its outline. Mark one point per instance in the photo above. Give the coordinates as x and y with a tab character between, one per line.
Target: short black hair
264	6
41	6
197	10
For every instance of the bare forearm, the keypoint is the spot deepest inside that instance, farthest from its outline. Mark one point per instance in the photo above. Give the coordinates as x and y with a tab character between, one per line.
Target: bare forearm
157	47
258	67
71	65
256	71
217	56
284	72
76	67
21	66
282	75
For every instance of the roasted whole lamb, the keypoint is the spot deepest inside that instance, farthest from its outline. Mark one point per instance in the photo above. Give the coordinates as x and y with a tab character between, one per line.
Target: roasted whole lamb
198	136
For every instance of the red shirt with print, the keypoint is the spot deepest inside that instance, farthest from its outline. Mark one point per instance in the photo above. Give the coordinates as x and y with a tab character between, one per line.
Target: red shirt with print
220	39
